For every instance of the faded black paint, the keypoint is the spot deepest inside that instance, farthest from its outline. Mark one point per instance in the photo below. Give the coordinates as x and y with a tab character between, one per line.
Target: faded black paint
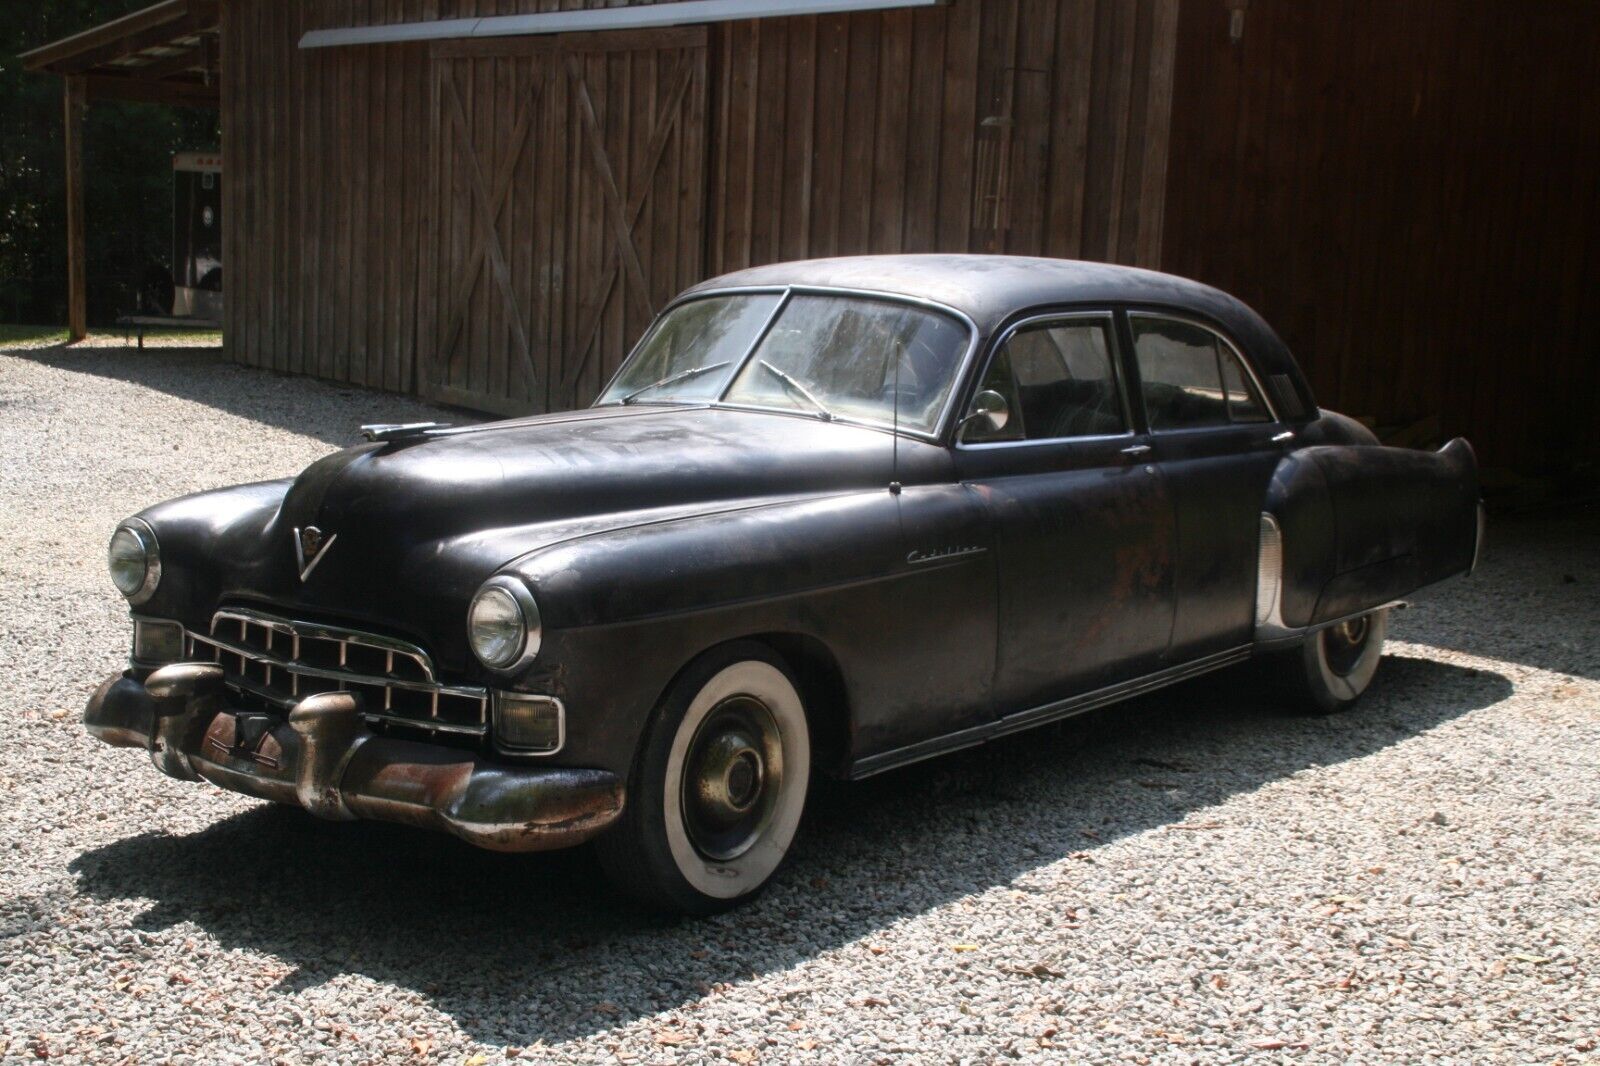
998	579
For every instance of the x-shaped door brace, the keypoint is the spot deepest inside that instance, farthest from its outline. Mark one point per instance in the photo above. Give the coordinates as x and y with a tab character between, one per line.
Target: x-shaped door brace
623	218
489	214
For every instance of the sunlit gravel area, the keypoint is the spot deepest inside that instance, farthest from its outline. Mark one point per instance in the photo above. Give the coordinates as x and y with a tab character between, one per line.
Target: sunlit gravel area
1192	878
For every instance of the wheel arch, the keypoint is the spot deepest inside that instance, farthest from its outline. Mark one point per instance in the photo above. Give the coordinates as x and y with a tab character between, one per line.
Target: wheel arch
820	680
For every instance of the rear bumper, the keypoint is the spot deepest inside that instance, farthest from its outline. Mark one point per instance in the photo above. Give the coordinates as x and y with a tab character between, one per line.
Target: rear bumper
323	758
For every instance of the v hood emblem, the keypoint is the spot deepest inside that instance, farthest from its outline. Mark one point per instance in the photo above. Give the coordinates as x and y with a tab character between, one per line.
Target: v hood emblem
310	545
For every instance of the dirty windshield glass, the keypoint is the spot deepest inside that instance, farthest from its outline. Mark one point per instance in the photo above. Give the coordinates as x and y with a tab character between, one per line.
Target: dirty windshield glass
692	351
845	357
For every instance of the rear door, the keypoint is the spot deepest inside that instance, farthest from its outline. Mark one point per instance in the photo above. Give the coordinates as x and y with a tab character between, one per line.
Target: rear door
1216	441
1083	524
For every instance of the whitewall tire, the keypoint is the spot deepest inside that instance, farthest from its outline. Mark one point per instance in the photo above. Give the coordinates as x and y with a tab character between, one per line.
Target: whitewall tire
1337	663
718	787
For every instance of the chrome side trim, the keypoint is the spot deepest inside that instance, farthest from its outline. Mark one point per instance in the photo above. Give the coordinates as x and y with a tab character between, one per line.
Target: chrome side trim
1044	714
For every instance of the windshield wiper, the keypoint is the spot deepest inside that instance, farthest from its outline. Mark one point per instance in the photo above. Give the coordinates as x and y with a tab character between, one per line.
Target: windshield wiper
798	389
682	375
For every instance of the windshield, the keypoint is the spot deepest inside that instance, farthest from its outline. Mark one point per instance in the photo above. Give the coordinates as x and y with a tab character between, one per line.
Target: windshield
693	350
826	355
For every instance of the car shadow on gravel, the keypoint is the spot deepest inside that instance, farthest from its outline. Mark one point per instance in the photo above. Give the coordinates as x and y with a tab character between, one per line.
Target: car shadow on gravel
517	949
329	411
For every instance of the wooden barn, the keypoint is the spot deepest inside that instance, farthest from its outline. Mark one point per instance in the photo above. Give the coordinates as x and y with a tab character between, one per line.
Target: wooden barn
484	201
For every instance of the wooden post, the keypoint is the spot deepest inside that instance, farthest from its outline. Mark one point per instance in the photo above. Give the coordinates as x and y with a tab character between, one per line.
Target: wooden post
77	101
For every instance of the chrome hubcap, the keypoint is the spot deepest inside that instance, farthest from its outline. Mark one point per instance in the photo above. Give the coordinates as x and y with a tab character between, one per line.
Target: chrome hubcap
1345	642
732	777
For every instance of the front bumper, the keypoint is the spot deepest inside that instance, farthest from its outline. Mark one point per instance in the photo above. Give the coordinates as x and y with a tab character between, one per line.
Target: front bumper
323	758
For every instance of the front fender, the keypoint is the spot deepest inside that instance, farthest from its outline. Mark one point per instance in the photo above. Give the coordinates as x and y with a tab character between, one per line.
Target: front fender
200	538
912	642
698	564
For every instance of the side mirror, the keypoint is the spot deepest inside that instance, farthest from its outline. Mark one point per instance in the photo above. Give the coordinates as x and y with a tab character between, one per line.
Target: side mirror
989	409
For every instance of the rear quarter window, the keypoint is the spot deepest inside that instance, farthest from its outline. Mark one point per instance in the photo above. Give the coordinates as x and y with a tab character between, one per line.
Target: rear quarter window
1190	378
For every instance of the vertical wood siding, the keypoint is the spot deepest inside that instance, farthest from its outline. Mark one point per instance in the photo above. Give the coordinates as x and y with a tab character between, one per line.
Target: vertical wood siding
1410	193
1032	127
356	243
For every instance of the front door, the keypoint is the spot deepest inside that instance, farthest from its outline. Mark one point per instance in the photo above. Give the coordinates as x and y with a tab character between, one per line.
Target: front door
569	207
1083	523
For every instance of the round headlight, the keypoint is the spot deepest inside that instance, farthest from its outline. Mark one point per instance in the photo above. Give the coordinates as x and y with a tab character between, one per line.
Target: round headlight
134	560
503	624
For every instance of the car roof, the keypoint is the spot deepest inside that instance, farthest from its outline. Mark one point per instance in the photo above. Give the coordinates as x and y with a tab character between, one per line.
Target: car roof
992	289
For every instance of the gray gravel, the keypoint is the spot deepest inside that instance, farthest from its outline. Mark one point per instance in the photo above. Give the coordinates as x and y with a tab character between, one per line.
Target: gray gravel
1189	878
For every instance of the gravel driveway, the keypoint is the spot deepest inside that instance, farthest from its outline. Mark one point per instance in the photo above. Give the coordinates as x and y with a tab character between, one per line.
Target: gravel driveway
1189	878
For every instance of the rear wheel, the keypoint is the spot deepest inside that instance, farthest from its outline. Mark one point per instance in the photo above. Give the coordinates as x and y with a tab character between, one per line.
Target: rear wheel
1336	664
718	788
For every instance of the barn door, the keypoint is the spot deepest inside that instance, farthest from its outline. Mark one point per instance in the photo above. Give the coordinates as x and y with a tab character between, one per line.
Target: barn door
570	202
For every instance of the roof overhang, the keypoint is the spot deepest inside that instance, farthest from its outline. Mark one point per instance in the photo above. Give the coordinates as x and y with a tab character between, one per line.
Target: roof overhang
643	16
166	53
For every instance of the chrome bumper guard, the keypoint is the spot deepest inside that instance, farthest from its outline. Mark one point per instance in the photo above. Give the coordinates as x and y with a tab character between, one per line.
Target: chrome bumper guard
325	759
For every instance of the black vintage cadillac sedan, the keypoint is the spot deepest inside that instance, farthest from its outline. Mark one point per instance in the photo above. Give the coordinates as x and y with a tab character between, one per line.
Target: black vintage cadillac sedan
832	516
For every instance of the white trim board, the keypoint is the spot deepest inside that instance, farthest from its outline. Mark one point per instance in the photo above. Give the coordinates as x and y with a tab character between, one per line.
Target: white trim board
645	16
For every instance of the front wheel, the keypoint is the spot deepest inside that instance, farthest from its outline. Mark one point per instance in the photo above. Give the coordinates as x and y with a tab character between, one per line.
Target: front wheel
1336	664
718	788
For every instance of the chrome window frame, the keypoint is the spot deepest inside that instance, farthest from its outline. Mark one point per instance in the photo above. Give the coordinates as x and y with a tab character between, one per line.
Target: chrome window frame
1273	417
786	292
1109	317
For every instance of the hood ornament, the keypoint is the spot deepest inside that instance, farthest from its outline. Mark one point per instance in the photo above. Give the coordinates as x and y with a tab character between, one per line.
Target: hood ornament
310	545
384	431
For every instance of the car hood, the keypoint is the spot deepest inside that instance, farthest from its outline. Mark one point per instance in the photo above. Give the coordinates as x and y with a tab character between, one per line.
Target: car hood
533	476
413	527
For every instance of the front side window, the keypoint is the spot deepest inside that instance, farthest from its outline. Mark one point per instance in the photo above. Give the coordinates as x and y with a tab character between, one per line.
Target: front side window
852	357
1190	377
693	350
1059	380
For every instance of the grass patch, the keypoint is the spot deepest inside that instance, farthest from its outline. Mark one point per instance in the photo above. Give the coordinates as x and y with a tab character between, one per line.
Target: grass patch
199	338
31	336
24	338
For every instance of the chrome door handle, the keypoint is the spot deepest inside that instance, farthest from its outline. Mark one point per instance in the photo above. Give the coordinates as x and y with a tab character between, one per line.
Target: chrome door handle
1284	437
1136	449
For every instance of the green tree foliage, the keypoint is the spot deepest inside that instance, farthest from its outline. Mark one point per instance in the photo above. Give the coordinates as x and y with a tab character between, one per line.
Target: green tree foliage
128	151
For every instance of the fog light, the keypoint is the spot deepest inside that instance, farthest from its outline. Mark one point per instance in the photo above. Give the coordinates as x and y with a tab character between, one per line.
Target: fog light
533	724
156	641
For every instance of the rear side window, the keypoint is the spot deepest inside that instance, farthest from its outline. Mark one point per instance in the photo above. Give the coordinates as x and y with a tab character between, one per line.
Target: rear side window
1190	377
1059	380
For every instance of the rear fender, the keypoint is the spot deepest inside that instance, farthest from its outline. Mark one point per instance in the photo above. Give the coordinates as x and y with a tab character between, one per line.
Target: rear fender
1364	525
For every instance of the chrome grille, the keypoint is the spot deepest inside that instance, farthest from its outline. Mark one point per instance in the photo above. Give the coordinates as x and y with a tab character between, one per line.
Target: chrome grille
282	661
